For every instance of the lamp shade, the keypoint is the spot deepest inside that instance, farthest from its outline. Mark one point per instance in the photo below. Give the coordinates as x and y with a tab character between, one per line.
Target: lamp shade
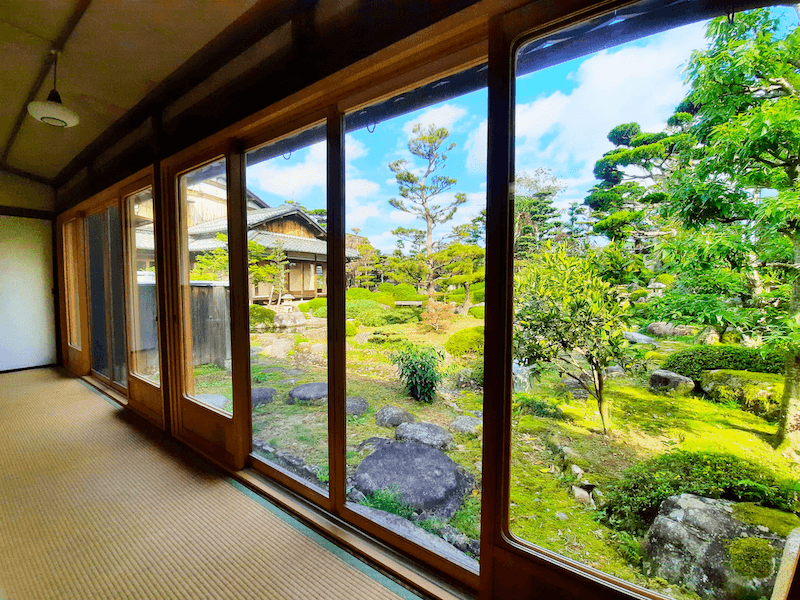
52	112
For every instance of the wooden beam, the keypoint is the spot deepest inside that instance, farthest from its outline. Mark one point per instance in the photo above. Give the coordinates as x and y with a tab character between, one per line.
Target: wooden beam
44	70
28	213
20	173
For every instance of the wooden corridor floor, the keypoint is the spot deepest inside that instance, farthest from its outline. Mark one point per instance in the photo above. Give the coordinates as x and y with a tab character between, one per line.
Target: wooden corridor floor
93	507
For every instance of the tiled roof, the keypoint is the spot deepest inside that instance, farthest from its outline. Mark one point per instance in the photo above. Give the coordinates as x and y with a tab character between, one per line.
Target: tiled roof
254	217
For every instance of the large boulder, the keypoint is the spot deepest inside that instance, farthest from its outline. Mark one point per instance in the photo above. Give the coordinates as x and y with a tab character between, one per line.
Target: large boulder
356	406
758	393
392	416
262	395
424	433
468	425
698	543
662	329
425	478
289	319
662	379
309	393
638	338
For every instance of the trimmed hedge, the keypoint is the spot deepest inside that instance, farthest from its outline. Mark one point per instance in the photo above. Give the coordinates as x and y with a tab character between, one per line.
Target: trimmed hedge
693	361
479	312
261	314
355	308
350	329
466	340
635	499
359	294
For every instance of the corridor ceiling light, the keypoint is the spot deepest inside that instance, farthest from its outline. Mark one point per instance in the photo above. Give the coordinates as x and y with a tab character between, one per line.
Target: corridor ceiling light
52	111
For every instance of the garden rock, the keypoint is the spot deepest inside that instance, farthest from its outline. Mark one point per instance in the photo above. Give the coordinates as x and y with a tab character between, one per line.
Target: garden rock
574	387
758	393
407	530
582	496
263	395
663	329
309	393
468	425
562	516
424	433
255	350
356	405
690	541
615	371
215	400
638	338
319	349
663	379
280	348
392	416
425	478
576	471
289	319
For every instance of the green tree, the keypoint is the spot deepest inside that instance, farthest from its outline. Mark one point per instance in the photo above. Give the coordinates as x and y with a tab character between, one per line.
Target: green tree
535	217
745	137
419	191
277	274
462	266
212	265
566	315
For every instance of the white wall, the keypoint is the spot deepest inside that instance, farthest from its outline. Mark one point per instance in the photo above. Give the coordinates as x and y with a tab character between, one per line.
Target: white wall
27	308
24	193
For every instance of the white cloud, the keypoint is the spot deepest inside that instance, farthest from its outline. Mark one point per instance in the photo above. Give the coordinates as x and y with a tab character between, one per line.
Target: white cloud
386	242
446	115
293	179
360	188
476	149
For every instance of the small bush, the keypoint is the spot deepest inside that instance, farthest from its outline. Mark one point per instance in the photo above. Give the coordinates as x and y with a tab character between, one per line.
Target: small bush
386	288
350	329
635	499
261	314
404	291
537	407
467	340
402	315
317	303
479	312
693	361
321	312
354	308
636	294
373	318
304	307
385	337
386	299
359	294
419	370
389	500
666	279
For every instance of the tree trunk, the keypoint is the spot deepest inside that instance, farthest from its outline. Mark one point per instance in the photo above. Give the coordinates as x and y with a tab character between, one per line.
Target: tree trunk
789	426
602	404
467	303
429	254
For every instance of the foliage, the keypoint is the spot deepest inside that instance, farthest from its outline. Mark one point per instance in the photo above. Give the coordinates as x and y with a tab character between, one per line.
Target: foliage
261	314
564	309
357	293
462	265
389	500
354	309
321	312
350	329
535	217
466	341
693	361
677	306
467	519
634	500
536	406
752	557
418	191
436	316
419	370
777	521
618	266
479	312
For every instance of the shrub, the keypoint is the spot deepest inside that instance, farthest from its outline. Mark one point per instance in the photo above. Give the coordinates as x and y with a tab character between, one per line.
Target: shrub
477	294
666	279
634	500
693	361
386	299
350	329
304	307
419	370
401	315
316	303
355	307
321	312
636	294
261	314
374	317
359	294
537	407
385	337
405	291
466	340
479	312
387	288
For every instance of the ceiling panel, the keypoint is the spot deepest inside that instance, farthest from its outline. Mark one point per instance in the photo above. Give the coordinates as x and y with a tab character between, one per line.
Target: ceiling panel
42	18
119	51
20	60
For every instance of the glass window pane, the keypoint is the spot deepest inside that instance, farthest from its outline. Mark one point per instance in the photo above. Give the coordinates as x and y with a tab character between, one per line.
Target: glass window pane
205	286
288	252
143	330
628	254
117	307
96	246
70	243
415	220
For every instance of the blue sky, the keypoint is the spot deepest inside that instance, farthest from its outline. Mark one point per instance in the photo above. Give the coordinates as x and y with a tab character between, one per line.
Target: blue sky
563	116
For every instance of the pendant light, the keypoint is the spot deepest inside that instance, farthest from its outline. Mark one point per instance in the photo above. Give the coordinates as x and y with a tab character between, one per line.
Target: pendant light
52	111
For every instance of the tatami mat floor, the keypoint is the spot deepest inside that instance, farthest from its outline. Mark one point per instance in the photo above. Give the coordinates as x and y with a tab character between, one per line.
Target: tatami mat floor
92	507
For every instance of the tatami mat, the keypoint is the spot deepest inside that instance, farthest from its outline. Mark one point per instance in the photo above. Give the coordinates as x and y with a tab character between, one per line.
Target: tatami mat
90	507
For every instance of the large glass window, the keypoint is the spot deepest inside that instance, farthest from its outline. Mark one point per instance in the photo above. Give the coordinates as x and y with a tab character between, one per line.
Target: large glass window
96	250
288	266
143	335
415	246
640	245
205	286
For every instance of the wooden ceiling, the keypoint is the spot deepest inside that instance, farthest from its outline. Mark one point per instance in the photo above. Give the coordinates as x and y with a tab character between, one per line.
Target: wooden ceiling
114	53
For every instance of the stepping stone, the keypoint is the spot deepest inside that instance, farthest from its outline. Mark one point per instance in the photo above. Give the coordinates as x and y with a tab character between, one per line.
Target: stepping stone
262	395
426	478
309	393
215	400
424	433
392	416
468	425
356	405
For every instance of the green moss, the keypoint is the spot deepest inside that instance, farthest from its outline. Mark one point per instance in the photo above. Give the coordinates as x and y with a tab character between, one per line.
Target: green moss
666	279
636	294
752	557
758	393
531	424
777	521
